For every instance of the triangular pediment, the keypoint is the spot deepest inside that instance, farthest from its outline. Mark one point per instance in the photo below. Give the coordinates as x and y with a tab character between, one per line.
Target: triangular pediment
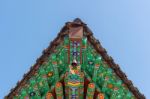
75	66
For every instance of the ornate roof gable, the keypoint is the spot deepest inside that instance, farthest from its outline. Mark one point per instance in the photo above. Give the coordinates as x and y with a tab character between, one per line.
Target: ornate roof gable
75	66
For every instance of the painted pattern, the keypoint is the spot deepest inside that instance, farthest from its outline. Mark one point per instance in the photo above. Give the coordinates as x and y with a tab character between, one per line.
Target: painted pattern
63	75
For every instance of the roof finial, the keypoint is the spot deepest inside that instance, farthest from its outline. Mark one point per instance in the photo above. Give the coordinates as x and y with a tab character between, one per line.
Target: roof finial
78	20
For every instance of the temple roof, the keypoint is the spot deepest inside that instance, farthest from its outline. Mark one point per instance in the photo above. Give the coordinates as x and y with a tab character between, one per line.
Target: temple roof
98	47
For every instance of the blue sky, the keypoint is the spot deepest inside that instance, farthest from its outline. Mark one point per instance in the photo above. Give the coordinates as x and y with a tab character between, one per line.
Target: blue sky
27	27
